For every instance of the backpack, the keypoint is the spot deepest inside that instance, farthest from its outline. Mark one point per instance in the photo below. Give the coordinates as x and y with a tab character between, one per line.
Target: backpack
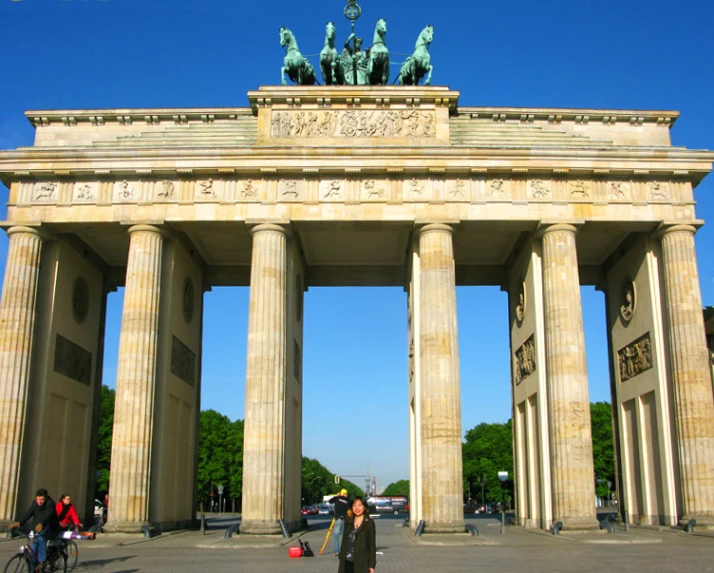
306	549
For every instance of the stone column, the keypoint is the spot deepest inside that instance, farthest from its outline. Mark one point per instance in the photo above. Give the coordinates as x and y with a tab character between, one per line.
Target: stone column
136	379
442	483
691	382
264	437
17	320
572	471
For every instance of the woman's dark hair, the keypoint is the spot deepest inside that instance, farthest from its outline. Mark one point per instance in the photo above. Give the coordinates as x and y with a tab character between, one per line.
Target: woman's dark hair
63	496
362	501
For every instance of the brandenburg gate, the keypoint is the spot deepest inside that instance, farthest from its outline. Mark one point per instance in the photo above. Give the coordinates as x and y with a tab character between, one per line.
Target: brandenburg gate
353	185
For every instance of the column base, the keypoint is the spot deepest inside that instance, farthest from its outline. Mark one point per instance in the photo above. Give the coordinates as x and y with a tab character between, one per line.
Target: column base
125	526
578	523
259	527
445	527
704	522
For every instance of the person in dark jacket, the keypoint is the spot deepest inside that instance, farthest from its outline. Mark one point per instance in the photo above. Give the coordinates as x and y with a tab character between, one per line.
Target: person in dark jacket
342	507
44	522
358	553
67	513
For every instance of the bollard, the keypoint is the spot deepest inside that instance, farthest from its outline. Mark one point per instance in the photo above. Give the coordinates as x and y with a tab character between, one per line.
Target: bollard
627	521
148	531
557	526
203	524
607	524
405	523
284	529
689	528
420	528
471	528
503	522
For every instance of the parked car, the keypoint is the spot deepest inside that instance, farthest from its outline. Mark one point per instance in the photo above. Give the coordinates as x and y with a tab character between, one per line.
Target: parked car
305	510
325	509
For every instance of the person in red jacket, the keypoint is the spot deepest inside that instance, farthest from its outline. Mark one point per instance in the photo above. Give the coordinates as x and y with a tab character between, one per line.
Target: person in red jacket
66	513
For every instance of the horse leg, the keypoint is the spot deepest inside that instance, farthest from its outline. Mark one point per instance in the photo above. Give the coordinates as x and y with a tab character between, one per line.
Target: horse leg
427	82
283	71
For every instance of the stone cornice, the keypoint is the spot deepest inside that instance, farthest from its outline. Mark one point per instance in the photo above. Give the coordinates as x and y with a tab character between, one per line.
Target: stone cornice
351	96
643	163
663	118
149	116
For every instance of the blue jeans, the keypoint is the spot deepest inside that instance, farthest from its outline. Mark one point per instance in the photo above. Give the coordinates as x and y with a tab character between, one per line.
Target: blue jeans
337	532
39	544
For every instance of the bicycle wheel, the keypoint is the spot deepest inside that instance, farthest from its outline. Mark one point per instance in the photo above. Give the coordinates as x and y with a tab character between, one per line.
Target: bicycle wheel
18	564
72	554
56	561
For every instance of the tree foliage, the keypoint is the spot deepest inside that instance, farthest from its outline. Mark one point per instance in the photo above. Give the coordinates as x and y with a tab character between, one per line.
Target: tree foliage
104	442
400	487
603	449
220	457
318	481
488	449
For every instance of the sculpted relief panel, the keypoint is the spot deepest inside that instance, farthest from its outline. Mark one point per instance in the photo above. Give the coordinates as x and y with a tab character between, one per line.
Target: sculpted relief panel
353	123
635	358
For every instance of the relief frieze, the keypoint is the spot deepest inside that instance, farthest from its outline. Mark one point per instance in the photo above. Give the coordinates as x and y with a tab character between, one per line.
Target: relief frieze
72	361
183	362
525	363
353	123
635	358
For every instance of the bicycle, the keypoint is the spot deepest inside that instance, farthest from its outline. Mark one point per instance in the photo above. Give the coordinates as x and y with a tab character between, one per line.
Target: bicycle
25	560
70	549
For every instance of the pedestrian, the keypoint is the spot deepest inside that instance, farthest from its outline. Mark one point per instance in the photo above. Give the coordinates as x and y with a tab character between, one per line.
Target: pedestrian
342	506
358	553
66	513
44	523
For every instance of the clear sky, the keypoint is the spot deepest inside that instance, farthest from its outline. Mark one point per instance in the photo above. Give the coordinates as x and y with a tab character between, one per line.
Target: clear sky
617	54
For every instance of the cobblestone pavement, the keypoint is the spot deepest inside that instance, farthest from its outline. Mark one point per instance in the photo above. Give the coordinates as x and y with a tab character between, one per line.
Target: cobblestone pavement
515	550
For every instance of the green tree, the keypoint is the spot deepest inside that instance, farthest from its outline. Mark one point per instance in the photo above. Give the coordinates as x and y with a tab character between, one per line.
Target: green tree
220	456
487	450
400	487
104	442
318	481
603	448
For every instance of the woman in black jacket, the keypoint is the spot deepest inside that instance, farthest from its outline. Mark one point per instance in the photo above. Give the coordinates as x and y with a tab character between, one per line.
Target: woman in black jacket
358	553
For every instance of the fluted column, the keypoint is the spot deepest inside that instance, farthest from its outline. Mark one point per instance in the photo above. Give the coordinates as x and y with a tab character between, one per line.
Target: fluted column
691	382
136	380
442	483
17	320
567	379
264	431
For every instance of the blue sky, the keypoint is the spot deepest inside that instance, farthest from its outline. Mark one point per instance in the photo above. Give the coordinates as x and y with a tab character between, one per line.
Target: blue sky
618	54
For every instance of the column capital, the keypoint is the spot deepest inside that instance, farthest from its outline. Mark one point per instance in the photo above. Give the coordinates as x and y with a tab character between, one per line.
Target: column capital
436	227
274	227
149	229
669	228
43	234
545	228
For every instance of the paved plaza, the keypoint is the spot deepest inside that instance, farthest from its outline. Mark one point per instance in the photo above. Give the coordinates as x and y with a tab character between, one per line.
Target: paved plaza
640	549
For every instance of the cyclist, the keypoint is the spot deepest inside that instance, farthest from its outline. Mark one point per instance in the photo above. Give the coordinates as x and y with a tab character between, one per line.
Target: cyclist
44	522
67	513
